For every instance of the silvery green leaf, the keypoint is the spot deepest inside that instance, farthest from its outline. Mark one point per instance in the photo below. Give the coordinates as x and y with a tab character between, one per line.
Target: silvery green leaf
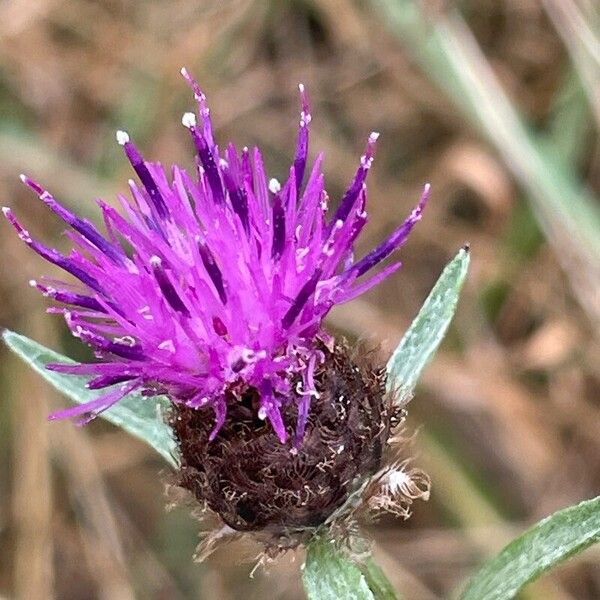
329	575
141	416
378	583
428	329
546	544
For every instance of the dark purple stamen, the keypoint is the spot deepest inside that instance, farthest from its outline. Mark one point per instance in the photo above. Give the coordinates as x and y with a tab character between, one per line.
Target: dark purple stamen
248	179
130	351
202	106
71	298
302	146
106	380
395	240
349	198
278	227
166	287
219	326
237	197
139	166
303	295
83	226
208	260
210	166
125	351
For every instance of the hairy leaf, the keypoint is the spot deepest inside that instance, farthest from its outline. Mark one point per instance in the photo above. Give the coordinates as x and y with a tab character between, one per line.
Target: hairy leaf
329	575
428	329
141	416
546	544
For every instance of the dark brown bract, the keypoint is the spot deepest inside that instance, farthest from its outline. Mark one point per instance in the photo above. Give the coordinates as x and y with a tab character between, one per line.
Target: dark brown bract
256	483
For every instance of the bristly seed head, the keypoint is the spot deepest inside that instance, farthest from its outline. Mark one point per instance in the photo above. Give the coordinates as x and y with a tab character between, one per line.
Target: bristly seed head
255	483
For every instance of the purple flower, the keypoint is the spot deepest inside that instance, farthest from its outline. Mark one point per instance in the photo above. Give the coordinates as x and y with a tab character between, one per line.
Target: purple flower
210	283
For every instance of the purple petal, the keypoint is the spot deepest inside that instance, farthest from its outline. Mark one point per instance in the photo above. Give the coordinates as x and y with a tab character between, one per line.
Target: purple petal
302	145
356	186
394	241
93	408
269	408
140	167
278	228
87	229
50	254
303	295
210	283
166	287
208	260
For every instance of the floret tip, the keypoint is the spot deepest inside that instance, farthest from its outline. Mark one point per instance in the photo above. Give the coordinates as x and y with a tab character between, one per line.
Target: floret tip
122	137
188	120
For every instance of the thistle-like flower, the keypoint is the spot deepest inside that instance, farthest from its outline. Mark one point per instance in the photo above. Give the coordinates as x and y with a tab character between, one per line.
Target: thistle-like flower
211	287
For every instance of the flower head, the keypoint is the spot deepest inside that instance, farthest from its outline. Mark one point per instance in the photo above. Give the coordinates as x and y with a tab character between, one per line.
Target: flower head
211	287
210	283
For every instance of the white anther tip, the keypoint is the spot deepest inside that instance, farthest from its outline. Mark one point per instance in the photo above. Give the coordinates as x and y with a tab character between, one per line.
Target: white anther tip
274	186
122	137
188	120
374	136
301	87
155	261
23	177
6	210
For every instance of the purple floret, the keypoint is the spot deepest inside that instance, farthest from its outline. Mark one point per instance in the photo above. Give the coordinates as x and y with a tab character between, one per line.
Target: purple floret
212	282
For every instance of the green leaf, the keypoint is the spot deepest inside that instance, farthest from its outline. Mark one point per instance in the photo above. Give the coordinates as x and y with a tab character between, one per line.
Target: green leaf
329	575
138	415
551	541
429	327
377	581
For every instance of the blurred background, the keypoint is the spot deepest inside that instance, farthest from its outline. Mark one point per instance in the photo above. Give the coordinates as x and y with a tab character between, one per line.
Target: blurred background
495	102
